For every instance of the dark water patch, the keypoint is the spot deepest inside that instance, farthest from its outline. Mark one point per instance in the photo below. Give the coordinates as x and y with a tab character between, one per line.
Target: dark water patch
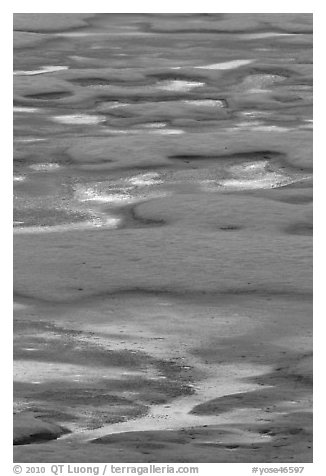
230	228
143	437
295	370
77	352
26	299
307	84
98	161
285	292
301	229
49	96
38	437
50	415
265	399
120	113
237	156
261	292
73	395
281	73
303	184
292	200
132	168
298	423
28	429
153	392
65	345
51	23
168	76
162	96
31	326
179	444
150	28
287	98
96	81
133	220
91	81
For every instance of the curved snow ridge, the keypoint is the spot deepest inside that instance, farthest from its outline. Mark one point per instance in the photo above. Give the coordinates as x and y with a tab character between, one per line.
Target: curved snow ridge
42	70
221	66
226	65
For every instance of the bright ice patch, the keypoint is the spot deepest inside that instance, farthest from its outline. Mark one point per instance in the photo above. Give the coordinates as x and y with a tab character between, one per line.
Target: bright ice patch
29	139
42	70
179	85
113	195
145	179
99	86
271	129
206	102
255	113
25	109
271	34
258	126
91	194
250	176
258	91
155	125
17	306
116	104
47	167
167	132
77	34
227	65
123	131
79	119
270	181
19	178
